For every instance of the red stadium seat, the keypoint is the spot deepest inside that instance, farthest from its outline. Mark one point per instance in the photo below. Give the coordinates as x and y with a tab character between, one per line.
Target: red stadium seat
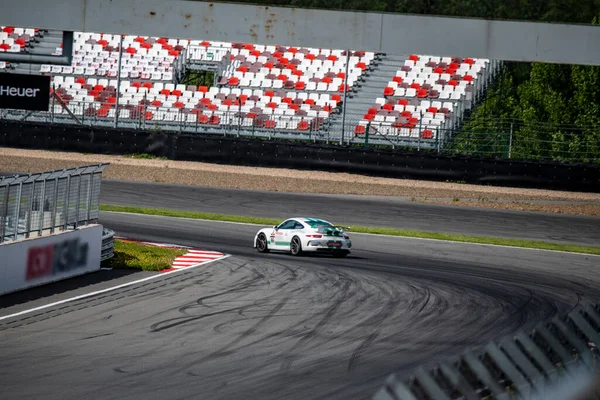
303	126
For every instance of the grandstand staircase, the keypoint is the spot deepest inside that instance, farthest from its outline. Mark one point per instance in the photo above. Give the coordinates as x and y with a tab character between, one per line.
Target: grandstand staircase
366	91
46	44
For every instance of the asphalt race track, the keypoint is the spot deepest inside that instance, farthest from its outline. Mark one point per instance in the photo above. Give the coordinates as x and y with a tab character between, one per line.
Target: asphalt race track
358	210
273	326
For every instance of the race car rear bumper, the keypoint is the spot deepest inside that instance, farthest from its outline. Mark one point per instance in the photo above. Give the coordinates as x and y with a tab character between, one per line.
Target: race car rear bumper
321	245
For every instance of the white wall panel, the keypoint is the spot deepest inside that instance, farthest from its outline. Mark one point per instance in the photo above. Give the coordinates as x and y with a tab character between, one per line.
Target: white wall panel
394	34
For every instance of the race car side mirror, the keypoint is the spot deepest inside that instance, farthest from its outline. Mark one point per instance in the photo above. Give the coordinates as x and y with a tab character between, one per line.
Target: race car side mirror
275	227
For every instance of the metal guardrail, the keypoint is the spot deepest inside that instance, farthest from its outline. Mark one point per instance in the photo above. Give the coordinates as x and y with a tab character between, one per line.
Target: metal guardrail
45	203
108	244
557	354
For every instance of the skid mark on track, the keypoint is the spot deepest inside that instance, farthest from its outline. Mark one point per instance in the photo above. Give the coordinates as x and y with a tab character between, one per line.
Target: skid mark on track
327	315
227	349
174	322
363	345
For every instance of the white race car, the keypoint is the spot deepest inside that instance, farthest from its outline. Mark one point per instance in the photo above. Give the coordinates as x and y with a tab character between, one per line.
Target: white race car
298	235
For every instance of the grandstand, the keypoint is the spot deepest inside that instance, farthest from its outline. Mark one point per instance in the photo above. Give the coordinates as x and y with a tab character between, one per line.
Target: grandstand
271	91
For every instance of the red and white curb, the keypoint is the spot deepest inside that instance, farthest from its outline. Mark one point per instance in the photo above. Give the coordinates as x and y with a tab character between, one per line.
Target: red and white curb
194	256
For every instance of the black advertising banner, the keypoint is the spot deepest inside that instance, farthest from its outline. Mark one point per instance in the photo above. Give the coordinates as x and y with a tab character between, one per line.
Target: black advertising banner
24	92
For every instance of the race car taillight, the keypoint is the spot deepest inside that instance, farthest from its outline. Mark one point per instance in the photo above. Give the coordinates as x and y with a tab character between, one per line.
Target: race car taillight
314	236
346	236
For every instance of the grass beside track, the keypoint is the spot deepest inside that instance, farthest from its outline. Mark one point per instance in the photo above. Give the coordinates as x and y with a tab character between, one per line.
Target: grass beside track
530	244
140	256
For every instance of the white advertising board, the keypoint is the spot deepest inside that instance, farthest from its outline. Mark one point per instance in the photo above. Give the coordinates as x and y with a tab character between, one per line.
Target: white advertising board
32	262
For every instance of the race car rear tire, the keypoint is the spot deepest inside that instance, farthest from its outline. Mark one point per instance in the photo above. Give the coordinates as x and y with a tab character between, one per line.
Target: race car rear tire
261	243
296	246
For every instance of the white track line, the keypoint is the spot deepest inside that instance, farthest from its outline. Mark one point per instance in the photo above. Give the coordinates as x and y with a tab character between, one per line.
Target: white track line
371	234
83	296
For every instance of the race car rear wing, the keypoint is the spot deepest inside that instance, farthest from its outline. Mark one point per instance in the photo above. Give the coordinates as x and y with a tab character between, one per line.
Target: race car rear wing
340	228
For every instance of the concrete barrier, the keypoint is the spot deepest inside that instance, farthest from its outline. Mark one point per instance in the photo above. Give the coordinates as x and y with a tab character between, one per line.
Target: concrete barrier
38	261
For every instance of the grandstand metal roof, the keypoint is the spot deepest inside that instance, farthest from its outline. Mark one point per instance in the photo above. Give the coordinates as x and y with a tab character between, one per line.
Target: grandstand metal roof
25	178
390	33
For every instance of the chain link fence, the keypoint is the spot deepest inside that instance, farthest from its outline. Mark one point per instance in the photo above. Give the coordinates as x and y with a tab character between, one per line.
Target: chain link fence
45	203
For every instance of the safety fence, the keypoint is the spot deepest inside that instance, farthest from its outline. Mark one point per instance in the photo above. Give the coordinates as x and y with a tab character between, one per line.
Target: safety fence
558	356
45	203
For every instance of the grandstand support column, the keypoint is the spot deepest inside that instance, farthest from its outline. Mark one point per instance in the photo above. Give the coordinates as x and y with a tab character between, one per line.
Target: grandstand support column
119	81
345	96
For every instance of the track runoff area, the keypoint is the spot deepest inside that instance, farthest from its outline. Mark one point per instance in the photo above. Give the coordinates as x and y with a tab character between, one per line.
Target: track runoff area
277	326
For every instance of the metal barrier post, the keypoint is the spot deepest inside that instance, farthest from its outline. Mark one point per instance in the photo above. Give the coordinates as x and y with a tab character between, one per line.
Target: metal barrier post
66	206
28	218
78	201
41	209
16	235
53	211
4	214
89	199
510	140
